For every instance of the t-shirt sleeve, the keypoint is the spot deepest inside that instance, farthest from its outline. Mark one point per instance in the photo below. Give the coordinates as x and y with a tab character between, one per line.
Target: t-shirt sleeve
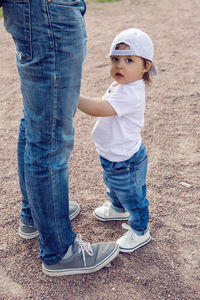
124	100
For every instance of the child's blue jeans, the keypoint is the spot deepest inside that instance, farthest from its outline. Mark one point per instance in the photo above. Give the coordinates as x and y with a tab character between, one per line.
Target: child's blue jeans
126	182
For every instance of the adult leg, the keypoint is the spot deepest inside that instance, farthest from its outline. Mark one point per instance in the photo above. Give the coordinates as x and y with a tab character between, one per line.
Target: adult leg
50	42
50	49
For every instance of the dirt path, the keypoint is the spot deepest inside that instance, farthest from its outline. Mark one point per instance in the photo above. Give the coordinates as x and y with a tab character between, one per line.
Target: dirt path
168	267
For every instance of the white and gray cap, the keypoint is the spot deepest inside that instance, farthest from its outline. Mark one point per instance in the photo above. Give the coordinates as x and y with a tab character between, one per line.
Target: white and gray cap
140	44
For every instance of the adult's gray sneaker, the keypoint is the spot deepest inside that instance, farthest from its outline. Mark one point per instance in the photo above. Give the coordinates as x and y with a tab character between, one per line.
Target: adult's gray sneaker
85	258
29	232
74	210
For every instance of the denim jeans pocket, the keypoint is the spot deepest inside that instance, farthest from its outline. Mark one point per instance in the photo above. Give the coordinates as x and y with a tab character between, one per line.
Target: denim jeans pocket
65	2
120	167
110	167
141	172
80	4
17	23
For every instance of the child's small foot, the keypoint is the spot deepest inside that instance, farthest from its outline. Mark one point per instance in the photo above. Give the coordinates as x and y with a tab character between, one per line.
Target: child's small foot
107	213
130	241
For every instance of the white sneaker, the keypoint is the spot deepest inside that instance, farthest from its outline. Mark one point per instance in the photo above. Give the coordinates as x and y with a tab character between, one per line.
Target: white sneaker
107	213
130	241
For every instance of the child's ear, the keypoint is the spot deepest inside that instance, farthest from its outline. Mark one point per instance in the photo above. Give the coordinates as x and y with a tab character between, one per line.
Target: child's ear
147	66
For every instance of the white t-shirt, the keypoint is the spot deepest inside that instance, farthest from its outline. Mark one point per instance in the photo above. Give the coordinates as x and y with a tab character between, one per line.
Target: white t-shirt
118	137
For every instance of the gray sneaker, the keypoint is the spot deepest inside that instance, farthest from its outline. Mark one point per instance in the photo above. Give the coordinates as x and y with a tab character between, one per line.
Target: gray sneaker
29	232
74	210
86	258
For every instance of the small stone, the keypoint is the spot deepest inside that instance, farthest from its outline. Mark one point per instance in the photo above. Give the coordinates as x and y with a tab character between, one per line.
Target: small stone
185	184
3	247
108	265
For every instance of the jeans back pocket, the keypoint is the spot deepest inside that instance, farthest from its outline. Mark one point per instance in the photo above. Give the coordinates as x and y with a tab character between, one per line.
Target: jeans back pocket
141	172
65	2
17	22
80	4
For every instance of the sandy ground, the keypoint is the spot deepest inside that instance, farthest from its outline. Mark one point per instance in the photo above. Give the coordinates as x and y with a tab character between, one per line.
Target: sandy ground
168	267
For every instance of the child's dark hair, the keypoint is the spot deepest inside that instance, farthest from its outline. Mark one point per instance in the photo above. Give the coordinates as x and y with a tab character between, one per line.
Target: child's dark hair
147	76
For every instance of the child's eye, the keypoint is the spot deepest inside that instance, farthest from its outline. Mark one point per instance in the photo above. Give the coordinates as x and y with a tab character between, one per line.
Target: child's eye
129	60
114	59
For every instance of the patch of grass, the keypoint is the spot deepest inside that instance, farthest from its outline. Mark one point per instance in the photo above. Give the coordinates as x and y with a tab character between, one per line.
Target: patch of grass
1	12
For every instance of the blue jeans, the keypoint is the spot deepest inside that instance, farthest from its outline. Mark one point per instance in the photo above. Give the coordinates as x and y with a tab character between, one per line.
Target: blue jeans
126	182
50	40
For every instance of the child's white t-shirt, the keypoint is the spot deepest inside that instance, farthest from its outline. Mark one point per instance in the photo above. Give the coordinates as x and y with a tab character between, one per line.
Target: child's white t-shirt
118	137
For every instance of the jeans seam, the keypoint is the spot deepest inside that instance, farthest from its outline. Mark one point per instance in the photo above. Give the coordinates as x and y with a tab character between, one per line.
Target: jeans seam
54	114
50	25
30	39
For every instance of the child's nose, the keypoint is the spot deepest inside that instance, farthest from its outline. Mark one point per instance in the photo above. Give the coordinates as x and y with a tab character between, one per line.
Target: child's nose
120	64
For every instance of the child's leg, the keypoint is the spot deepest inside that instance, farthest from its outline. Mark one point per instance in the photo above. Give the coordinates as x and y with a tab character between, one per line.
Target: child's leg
115	203
137	234
137	204
112	210
134	200
115	176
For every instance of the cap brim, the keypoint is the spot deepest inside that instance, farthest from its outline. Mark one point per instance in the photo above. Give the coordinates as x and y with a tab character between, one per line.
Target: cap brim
153	69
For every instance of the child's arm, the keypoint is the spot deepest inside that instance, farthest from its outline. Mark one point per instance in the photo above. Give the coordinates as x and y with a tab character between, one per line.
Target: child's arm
95	107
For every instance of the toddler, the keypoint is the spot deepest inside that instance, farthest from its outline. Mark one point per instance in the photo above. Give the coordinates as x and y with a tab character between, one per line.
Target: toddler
117	136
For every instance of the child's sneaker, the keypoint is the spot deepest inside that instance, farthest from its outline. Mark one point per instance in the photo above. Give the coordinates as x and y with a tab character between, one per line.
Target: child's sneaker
130	241
107	213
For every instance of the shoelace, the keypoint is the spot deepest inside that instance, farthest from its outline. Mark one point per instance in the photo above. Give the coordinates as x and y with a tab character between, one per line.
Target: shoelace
84	247
108	212
108	208
106	204
129	232
126	226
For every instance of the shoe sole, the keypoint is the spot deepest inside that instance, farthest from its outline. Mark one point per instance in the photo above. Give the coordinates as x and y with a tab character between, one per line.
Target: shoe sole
85	270
29	236
72	216
110	219
128	250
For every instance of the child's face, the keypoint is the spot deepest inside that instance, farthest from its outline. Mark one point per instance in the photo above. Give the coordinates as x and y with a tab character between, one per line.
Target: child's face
126	69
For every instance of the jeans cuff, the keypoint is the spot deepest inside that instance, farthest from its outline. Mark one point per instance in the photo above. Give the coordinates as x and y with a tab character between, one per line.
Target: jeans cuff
142	232
118	209
26	222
